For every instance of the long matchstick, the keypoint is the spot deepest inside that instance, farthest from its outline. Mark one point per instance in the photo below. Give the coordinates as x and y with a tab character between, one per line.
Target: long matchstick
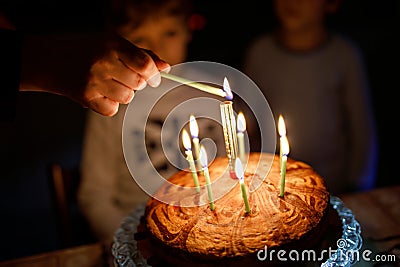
200	86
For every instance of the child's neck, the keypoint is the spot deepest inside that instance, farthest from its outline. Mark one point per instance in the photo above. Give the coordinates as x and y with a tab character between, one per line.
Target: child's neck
302	40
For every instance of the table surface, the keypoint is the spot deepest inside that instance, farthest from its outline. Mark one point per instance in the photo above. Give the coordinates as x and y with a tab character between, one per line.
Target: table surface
377	211
89	255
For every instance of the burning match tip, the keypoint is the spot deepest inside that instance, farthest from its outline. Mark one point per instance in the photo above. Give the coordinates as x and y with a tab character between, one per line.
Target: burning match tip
229	96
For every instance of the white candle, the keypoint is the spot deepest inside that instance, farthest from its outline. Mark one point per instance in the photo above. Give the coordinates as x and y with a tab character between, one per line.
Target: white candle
285	152
241	127
240	175
203	159
194	131
189	158
229	127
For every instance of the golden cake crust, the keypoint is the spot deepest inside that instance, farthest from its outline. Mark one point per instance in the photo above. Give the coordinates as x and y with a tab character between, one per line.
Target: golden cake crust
228	231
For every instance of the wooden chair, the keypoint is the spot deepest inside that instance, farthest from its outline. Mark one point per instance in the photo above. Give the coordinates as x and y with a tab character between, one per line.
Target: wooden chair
72	227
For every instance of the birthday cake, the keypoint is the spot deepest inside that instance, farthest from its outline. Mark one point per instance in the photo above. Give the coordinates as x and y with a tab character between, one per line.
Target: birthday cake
228	235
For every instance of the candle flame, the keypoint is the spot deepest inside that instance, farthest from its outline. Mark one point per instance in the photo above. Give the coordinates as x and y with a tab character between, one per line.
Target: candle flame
281	126
227	89
285	146
239	170
186	140
241	122
203	157
194	128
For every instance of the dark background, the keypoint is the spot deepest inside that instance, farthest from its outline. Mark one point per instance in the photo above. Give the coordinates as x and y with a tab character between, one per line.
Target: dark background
49	128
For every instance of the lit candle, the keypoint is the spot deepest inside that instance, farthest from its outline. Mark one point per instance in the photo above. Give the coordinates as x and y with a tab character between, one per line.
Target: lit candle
240	175
285	152
203	159
229	128
241	127
282	134
189	158
194	131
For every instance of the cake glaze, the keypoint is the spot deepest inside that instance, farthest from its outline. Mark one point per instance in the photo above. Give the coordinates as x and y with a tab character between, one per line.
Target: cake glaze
197	235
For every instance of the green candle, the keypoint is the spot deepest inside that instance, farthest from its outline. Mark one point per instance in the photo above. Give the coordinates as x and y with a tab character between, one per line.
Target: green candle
203	159
189	158
285	152
193	170
240	175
